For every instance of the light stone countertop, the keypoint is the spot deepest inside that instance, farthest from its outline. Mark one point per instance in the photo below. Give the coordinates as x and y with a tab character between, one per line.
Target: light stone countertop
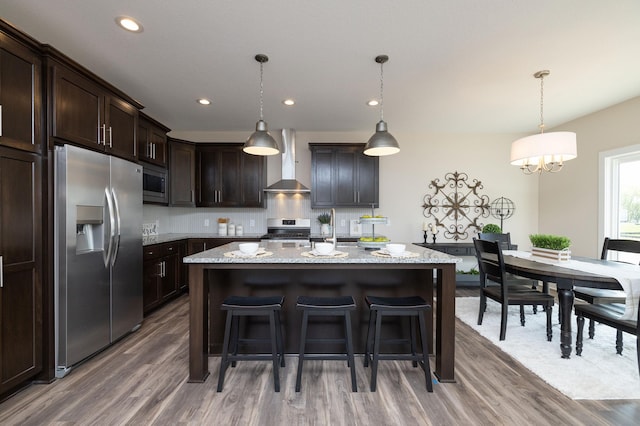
288	253
168	238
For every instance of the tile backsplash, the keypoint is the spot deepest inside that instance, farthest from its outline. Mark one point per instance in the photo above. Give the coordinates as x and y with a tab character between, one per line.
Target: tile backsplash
162	220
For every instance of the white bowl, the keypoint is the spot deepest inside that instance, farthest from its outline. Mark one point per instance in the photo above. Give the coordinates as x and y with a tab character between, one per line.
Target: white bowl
396	248
324	248
248	248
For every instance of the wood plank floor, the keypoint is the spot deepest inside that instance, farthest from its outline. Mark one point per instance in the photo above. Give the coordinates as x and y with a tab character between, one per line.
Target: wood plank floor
142	380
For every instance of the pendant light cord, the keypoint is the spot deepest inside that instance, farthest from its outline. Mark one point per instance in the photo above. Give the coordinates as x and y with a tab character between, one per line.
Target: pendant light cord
261	89
541	103
381	91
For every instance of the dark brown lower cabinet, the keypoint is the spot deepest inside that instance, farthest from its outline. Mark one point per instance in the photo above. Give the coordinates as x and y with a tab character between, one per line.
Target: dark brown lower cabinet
20	268
162	274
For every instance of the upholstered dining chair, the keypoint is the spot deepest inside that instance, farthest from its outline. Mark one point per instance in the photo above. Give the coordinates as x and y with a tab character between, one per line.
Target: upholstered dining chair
598	296
492	270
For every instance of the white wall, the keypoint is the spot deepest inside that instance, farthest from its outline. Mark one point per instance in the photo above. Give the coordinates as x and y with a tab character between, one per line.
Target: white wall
569	200
405	177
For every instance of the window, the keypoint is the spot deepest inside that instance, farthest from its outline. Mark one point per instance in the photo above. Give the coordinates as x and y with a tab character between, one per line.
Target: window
620	195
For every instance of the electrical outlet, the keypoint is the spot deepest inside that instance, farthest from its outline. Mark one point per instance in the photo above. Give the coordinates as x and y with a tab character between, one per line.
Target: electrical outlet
252	223
206	222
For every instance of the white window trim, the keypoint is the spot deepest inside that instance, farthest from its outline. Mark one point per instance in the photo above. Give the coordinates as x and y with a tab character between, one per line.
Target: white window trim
606	162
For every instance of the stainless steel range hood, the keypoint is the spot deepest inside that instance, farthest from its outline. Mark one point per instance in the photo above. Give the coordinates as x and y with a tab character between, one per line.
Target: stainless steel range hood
288	183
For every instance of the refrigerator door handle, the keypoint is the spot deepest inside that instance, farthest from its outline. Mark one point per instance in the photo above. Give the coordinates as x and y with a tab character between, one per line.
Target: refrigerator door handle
116	237
1	272
112	225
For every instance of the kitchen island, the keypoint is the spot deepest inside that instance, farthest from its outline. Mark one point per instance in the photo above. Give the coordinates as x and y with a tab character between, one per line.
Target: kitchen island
289	269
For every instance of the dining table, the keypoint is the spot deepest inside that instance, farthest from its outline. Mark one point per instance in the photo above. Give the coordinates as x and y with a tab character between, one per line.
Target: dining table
579	271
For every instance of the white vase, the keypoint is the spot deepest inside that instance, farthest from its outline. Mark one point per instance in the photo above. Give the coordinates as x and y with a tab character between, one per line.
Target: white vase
325	229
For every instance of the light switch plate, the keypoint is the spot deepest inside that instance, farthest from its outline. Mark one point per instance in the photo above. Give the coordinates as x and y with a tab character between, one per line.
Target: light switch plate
355	228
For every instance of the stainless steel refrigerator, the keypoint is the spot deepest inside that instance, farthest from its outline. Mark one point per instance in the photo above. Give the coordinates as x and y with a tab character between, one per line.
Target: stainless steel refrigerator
98	251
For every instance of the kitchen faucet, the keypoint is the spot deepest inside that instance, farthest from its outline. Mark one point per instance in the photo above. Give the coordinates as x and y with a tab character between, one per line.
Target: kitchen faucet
333	238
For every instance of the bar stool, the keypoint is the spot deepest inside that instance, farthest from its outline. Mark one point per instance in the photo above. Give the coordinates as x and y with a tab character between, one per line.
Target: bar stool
413	307
326	306
239	306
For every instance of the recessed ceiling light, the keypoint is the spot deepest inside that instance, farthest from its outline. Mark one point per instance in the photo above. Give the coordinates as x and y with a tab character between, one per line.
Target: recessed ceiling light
373	102
289	102
203	101
129	24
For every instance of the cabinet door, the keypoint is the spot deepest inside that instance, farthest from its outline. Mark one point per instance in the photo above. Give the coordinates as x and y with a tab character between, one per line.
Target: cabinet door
218	176
171	276
367	180
229	186
158	139
344	174
254	177
21	251
322	177
20	96
151	284
182	174
77	109
143	140
120	132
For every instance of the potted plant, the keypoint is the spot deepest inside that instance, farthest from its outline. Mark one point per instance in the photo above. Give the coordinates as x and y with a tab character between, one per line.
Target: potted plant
549	246
325	220
491	228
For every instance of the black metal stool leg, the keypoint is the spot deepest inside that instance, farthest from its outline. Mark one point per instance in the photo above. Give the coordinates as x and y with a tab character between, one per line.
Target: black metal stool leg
224	363
425	352
274	351
368	345
412	330
303	339
279	339
349	344
376	352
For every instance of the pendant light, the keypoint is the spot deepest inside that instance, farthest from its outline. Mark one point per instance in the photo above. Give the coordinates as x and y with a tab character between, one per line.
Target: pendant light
261	142
382	142
543	151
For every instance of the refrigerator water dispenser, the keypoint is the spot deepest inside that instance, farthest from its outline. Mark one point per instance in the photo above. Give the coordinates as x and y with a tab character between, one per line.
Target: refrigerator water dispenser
89	229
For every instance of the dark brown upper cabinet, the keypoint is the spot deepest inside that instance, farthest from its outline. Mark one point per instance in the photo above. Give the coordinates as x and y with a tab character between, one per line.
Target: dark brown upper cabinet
342	176
20	94
152	141
228	177
87	113
182	173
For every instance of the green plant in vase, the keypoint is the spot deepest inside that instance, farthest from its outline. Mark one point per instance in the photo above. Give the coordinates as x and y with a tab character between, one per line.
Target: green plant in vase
548	241
491	228
325	220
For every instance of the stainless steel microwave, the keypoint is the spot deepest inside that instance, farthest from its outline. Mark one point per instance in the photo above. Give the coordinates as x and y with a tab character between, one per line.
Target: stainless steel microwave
154	185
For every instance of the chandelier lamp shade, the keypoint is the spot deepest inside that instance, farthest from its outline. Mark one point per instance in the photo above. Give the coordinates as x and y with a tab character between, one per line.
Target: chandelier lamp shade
543	151
382	142
261	142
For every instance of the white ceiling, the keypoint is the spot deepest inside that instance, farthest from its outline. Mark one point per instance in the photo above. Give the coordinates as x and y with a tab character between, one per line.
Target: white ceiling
455	65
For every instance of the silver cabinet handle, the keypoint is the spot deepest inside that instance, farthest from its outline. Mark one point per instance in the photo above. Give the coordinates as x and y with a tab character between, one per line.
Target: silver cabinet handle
164	269
110	137
191	194
1	272
153	148
0	120
148	150
104	135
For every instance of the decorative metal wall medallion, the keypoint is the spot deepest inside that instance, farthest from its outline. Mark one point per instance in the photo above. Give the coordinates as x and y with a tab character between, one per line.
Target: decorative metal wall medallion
456	205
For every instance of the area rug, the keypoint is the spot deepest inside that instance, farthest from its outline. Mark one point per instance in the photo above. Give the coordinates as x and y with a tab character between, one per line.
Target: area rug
599	373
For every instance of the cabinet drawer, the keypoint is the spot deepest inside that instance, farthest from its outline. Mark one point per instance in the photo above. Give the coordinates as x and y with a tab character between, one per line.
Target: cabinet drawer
458	251
160	250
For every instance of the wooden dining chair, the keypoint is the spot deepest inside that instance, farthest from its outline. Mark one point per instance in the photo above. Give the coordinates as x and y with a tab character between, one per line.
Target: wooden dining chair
609	314
492	270
598	296
516	283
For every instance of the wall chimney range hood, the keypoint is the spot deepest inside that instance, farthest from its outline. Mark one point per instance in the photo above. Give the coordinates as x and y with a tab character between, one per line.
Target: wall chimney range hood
288	184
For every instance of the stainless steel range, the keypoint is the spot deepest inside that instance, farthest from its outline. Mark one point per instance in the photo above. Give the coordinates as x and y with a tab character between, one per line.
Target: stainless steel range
283	229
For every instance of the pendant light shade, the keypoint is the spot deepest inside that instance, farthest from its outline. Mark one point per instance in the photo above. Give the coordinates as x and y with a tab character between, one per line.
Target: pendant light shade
382	142
261	142
543	151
